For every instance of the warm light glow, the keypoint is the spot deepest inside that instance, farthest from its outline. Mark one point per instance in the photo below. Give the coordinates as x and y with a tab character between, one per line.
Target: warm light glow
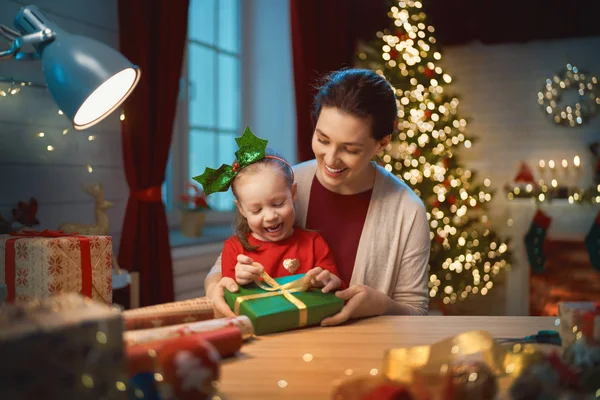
577	161
50	148
551	164
542	163
106	98
41	134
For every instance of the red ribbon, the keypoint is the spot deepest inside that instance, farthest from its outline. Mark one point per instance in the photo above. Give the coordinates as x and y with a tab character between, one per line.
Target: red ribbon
9	259
587	321
152	194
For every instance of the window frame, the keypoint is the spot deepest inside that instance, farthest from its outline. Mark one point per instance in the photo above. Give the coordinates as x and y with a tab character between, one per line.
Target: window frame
177	174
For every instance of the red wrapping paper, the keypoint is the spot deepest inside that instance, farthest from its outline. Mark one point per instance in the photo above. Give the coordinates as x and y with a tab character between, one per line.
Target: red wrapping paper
227	341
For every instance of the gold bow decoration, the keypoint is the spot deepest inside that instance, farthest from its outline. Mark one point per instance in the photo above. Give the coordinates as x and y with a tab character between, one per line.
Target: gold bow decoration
273	288
432	361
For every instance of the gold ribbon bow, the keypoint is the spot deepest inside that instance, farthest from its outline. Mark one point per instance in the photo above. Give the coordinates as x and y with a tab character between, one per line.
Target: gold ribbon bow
431	361
275	289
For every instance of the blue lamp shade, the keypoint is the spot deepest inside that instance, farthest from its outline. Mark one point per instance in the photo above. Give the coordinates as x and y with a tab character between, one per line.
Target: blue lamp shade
87	79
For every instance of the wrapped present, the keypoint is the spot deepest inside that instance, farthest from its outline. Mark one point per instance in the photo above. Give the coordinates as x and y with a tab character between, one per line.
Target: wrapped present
141	358
178	312
243	323
63	347
276	305
43	264
577	320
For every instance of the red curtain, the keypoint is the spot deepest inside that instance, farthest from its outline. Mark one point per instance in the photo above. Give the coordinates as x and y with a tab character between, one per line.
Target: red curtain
152	35
324	38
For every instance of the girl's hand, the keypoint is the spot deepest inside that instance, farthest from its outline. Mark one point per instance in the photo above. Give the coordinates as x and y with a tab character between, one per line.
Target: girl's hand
246	270
320	277
216	295
362	301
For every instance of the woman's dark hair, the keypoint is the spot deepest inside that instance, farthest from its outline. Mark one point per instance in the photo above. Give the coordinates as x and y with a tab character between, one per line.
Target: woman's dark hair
362	93
242	229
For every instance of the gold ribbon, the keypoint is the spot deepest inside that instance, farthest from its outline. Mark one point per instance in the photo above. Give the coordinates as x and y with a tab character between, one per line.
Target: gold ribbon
431	361
275	289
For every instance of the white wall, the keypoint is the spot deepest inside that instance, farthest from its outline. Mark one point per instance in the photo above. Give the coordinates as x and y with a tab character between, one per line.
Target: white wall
268	88
497	86
27	169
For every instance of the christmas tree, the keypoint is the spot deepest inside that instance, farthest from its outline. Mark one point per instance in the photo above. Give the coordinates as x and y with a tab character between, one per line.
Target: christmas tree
466	255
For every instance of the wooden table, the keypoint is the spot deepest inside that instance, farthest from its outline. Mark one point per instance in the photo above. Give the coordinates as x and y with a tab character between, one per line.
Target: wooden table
305	364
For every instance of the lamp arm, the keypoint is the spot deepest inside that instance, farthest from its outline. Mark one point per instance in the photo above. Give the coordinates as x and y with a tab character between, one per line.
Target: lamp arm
31	39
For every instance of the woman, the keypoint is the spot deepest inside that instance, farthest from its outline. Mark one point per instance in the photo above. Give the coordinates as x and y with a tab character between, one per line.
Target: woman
374	223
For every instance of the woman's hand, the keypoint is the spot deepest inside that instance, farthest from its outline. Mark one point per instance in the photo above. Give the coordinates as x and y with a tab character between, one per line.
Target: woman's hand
363	301
320	277
246	270
216	294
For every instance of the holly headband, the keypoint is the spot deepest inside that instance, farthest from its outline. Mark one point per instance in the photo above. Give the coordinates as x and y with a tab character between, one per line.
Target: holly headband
251	149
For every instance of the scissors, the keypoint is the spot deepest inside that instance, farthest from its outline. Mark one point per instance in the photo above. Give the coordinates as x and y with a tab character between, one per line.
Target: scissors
544	336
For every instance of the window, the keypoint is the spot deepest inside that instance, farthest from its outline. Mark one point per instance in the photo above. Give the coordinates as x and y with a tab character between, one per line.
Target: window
209	111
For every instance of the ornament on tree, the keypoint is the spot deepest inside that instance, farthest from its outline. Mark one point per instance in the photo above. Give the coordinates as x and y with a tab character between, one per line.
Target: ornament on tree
592	243
534	241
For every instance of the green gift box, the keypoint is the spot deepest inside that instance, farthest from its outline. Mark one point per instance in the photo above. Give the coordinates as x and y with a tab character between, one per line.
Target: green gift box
276	313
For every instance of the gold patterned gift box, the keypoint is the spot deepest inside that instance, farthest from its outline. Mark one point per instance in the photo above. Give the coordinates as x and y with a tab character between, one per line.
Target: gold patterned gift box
43	264
63	347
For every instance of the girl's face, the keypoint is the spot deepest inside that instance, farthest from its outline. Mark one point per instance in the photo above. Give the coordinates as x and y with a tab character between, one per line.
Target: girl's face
267	202
343	147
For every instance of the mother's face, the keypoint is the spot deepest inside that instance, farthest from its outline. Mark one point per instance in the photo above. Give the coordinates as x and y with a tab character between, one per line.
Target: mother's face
343	147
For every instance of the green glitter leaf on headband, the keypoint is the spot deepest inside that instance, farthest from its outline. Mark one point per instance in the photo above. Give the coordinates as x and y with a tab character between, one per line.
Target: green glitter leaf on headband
216	180
251	149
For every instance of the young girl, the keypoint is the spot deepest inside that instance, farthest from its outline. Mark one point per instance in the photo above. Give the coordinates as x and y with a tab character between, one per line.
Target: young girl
265	235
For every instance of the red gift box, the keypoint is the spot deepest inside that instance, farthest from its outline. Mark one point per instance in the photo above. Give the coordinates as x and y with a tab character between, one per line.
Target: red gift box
43	264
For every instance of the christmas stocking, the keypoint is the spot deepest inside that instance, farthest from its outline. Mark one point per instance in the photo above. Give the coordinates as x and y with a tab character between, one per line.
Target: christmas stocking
534	241
592	243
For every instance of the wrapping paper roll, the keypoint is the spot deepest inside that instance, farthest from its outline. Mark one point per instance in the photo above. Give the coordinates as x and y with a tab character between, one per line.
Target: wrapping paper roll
243	323
178	312
227	341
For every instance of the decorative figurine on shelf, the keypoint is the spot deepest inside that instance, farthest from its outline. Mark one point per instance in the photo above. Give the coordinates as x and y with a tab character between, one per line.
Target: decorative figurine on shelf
101	225
192	205
23	215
